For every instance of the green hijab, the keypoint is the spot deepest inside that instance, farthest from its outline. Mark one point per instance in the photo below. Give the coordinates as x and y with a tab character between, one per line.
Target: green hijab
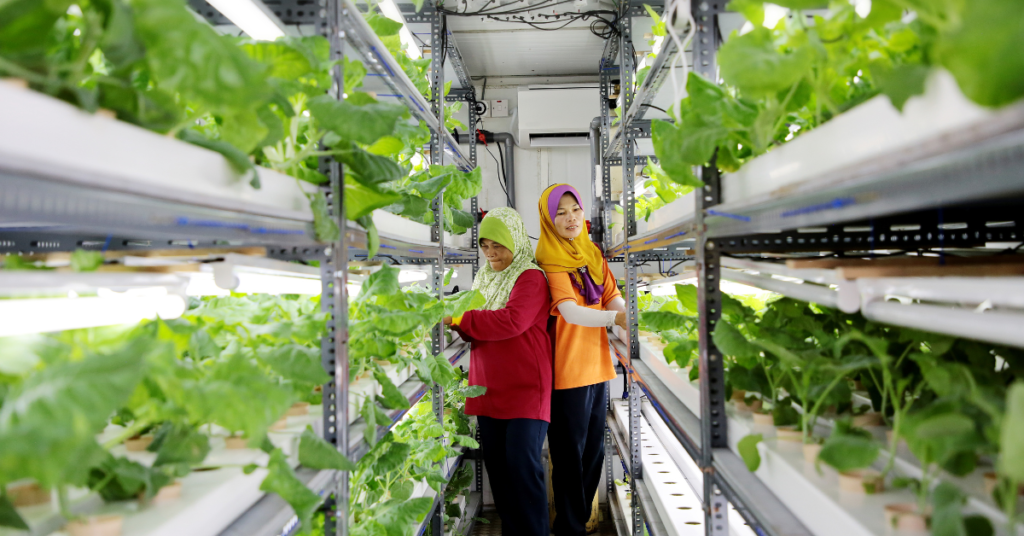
504	226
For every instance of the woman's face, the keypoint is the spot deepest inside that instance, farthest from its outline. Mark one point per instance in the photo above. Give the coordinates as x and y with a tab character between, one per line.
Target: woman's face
569	218
497	255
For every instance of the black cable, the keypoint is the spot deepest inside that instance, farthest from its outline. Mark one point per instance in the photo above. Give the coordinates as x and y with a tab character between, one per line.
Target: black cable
500	168
655	107
501	155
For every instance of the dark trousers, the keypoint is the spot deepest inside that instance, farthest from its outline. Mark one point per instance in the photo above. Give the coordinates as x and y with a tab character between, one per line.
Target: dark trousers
512	452
576	447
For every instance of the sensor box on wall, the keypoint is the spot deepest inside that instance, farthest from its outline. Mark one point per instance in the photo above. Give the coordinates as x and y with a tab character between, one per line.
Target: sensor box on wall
499	108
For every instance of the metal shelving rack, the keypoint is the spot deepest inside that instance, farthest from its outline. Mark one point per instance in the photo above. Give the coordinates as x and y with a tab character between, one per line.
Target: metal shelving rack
900	199
66	215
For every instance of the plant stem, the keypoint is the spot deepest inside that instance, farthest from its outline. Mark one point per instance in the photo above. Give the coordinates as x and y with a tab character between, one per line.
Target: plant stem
127	433
63	502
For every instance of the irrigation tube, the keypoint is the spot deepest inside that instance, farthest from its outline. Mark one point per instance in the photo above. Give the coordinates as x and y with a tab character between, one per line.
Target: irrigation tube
814	275
991	326
847	301
997	291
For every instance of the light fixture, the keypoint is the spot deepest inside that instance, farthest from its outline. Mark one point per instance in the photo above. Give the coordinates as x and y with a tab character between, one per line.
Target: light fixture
252	17
108	308
204	284
410	276
391	11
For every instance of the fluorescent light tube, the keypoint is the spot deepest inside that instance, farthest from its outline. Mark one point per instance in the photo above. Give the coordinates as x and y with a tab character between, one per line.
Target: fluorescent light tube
22	317
252	17
391	11
204	284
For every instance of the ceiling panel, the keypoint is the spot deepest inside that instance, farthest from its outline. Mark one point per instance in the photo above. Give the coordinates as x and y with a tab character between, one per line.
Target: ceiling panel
528	52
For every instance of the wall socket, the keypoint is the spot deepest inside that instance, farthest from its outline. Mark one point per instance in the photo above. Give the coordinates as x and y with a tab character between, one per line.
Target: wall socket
499	108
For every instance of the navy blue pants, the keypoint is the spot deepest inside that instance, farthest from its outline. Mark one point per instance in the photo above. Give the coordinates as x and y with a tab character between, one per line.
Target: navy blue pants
576	447
512	452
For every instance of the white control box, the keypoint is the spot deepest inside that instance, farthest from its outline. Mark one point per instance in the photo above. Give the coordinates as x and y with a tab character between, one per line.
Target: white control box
499	108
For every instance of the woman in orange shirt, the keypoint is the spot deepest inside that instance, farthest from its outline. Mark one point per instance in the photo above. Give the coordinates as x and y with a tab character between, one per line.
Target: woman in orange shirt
585	302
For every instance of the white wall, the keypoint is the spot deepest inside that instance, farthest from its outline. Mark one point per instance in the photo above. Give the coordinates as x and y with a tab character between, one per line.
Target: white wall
535	169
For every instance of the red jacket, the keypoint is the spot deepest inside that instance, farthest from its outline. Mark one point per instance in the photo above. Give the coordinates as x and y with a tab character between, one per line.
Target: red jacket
510	353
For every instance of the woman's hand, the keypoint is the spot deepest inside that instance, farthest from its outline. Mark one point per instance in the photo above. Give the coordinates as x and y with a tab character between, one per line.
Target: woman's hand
620	320
447	321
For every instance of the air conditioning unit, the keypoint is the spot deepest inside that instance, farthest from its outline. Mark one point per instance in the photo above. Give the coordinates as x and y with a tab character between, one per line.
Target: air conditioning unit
556	115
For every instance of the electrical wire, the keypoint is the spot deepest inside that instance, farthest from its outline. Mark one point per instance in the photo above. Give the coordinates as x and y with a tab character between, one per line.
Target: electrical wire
672	8
662	110
500	173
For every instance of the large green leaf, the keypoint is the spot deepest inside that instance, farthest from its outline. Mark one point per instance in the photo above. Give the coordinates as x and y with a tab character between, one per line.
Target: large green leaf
179	446
282	481
394	457
848	452
983	52
361	200
362	124
748	451
295	362
48	422
687	295
369	169
731	342
235	377
690	143
663	320
752	63
401	323
383	282
9	516
189	57
325	226
467	300
391	397
316	453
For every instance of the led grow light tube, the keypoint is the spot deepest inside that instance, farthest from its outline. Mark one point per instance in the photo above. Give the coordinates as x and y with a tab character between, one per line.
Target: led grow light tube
391	11
848	301
252	17
22	317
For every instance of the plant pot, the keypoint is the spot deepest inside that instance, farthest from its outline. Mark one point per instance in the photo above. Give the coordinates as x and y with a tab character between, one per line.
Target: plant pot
167	493
108	525
871	418
236	442
861	481
138	443
28	494
992	481
643	333
281	424
811	451
763	419
906	517
791	433
858	385
298	408
738	395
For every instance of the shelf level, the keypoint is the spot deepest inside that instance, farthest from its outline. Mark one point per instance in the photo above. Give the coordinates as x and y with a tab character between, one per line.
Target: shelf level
382	66
414	389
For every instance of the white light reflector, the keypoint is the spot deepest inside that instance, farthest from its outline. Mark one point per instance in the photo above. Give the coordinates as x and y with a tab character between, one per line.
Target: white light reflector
391	11
252	17
22	317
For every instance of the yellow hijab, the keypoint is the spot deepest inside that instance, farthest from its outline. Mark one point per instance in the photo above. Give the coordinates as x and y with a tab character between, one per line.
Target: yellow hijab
557	254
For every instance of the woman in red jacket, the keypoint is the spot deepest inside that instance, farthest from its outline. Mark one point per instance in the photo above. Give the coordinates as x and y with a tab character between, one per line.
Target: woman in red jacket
511	357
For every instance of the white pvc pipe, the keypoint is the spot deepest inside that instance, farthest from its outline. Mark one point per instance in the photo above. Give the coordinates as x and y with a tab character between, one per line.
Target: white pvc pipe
814	275
18	282
847	300
999	291
989	326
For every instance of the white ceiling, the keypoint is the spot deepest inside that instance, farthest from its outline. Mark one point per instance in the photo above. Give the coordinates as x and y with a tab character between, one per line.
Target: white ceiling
524	51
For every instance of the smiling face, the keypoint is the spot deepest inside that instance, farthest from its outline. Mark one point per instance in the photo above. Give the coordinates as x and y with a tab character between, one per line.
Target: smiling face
569	218
497	255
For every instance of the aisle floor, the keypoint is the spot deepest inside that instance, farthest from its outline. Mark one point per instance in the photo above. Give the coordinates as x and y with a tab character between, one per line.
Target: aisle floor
606	528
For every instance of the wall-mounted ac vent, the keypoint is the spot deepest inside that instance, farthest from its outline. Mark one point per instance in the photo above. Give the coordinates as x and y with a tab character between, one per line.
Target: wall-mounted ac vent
565	139
555	116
